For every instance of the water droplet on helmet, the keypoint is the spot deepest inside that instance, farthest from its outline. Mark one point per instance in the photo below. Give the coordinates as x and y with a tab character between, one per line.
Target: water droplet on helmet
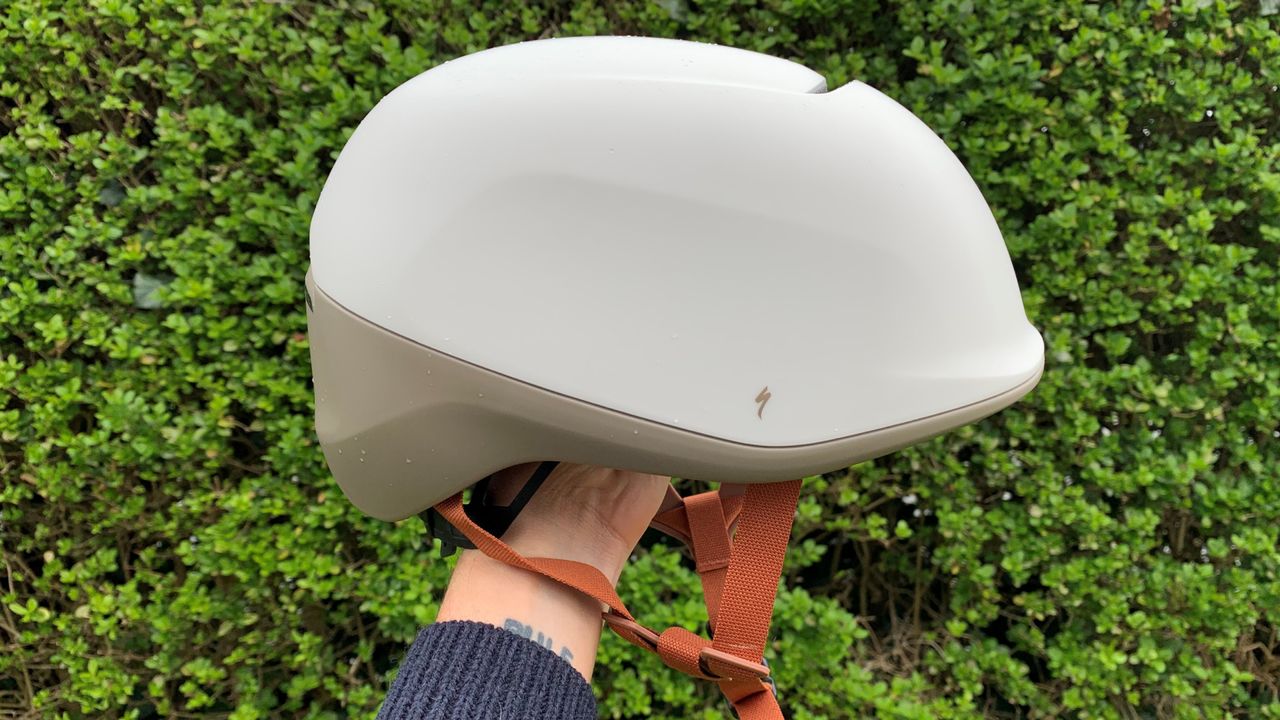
408	461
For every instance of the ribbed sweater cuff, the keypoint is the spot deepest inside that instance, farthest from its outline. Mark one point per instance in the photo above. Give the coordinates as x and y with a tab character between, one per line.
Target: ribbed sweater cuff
474	670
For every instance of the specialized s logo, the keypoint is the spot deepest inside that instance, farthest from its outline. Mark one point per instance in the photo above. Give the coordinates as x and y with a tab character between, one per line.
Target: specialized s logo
762	399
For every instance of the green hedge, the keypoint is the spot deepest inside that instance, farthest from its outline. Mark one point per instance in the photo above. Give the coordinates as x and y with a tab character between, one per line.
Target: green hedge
174	547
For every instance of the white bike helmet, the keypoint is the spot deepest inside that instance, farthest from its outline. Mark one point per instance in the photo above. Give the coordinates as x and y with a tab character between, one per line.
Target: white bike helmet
654	255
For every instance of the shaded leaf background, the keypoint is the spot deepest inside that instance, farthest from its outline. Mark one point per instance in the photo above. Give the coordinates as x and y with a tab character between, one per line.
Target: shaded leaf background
174	547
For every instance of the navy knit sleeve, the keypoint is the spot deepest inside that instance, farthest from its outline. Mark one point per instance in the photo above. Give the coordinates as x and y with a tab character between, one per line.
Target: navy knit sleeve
480	672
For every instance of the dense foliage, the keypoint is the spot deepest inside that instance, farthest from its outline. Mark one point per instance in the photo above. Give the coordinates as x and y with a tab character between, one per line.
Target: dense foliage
173	545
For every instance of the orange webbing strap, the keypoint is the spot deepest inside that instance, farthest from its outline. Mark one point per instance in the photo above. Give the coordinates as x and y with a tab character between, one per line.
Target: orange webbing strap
739	579
750	586
580	576
709	542
673	520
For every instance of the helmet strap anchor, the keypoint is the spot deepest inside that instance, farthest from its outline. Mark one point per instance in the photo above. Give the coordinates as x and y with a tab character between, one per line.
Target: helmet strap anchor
494	519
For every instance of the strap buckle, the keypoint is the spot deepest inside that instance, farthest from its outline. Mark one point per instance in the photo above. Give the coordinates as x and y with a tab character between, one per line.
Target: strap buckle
758	671
648	639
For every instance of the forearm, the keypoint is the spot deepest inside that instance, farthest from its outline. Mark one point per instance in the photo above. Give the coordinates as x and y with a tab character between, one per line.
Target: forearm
458	668
591	515
539	609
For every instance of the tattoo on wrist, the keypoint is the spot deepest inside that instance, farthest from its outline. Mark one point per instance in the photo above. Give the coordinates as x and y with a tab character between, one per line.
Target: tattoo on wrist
527	632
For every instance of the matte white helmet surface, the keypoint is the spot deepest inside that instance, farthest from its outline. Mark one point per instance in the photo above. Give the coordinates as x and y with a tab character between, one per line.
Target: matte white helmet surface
657	255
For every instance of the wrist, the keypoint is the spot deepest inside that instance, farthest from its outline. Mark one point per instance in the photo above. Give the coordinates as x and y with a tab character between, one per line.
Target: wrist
573	537
537	608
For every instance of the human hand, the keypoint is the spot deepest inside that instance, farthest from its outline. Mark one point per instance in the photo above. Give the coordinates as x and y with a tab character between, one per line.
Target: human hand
589	514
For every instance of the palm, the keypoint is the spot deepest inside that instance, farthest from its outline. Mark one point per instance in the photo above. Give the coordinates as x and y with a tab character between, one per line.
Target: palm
600	507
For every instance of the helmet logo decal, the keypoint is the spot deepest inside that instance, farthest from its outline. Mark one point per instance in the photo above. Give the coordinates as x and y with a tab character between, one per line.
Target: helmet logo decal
763	399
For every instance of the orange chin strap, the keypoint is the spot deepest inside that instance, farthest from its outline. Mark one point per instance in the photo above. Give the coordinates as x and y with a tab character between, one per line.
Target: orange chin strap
739	579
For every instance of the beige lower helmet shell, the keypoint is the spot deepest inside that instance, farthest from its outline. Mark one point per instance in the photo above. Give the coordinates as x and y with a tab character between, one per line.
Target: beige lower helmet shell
404	426
654	255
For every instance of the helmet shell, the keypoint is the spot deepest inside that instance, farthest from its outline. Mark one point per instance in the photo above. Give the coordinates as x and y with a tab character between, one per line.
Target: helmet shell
682	237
